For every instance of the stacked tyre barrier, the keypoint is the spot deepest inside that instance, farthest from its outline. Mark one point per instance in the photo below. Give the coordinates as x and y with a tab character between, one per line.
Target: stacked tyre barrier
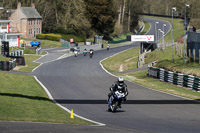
7	65
179	79
17	53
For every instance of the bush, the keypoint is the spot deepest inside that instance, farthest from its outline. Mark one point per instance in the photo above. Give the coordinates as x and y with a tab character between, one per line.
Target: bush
56	37
76	38
196	22
61	30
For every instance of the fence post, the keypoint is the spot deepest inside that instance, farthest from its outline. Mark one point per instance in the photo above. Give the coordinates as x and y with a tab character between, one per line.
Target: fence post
193	52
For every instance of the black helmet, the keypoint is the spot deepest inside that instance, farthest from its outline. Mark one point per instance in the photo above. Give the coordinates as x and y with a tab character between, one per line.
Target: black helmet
120	81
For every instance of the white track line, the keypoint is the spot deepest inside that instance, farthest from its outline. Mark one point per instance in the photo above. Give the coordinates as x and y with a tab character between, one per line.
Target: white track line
66	109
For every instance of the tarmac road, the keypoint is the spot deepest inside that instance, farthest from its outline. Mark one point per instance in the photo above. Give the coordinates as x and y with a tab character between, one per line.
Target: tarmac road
79	83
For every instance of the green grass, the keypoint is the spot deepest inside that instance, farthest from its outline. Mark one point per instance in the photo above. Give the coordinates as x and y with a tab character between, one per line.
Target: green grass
23	99
29	51
119	39
126	60
146	28
5	58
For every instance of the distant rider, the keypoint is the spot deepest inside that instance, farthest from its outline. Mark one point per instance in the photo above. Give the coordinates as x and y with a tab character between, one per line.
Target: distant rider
120	86
76	51
108	46
91	52
85	52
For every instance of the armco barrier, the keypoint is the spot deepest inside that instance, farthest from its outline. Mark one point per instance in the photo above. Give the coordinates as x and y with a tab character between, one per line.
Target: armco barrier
179	79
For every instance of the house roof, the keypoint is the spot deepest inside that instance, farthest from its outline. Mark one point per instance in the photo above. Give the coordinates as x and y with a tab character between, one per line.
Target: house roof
5	21
30	12
12	34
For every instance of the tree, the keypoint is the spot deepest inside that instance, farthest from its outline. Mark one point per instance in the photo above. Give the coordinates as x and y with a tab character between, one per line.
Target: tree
135	10
102	16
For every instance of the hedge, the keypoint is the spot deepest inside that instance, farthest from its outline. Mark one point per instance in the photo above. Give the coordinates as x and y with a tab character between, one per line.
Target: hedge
76	38
56	37
53	37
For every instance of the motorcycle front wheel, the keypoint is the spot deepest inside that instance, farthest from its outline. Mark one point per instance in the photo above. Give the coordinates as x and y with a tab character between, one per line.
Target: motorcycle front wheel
113	107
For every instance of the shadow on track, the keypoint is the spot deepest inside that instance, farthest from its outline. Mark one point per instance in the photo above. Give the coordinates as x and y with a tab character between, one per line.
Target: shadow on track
70	101
25	96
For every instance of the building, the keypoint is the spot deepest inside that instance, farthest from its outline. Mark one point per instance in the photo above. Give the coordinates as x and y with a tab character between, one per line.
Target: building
6	35
26	20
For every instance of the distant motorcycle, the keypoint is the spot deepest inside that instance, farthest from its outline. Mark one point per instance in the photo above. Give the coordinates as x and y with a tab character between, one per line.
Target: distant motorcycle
115	101
91	53
75	53
108	47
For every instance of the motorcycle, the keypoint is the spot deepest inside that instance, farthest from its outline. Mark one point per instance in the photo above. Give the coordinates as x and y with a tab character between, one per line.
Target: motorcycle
108	47
75	53
115	100
91	54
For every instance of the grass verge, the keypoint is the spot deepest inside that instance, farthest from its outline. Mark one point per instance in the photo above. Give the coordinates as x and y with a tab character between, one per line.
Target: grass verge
122	62
23	99
146	28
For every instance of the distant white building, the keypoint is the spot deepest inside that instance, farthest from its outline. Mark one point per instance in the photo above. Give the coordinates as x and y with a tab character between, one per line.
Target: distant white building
6	35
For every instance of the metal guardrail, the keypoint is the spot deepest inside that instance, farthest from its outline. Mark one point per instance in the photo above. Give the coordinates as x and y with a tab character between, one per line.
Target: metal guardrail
179	79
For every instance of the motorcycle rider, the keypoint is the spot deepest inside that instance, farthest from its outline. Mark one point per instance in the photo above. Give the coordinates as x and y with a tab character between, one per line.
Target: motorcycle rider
120	86
91	52
108	46
76	51
85	52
